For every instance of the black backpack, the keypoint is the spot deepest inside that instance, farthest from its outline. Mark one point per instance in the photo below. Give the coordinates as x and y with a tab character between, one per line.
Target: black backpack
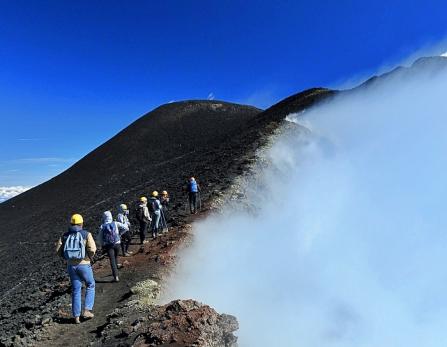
139	213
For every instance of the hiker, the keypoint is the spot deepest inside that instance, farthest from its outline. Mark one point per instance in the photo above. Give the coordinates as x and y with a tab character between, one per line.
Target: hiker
143	218
193	191
126	237
78	247
154	207
109	237
164	201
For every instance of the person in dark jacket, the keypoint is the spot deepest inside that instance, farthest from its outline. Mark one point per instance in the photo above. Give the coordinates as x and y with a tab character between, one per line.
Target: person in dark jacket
126	238
165	201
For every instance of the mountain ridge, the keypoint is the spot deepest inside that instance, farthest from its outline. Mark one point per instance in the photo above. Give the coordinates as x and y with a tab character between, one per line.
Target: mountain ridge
423	64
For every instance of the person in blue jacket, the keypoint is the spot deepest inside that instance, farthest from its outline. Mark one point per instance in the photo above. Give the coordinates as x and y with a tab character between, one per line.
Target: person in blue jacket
193	191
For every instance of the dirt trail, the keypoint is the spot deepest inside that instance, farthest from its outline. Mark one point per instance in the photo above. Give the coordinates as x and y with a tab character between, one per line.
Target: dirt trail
154	262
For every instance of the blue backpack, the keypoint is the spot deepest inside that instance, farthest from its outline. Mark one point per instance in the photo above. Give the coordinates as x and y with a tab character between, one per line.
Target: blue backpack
74	245
152	205
109	236
193	187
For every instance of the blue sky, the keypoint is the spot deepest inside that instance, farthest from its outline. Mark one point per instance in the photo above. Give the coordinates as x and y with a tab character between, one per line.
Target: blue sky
74	73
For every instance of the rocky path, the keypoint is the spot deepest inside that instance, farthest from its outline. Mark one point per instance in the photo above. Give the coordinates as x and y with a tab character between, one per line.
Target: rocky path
154	262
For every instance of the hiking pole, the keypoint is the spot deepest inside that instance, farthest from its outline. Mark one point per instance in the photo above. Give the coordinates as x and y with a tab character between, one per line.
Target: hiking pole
163	220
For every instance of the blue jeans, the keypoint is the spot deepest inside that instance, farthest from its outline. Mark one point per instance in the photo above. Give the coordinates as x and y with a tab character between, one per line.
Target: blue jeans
155	222
79	274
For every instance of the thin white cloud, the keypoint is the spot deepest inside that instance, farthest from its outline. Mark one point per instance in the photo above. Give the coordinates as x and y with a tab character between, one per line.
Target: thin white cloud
211	96
43	160
26	139
9	192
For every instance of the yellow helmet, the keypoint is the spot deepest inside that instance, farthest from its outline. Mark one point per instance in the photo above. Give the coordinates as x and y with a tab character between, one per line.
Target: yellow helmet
164	192
123	207
143	199
154	193
76	219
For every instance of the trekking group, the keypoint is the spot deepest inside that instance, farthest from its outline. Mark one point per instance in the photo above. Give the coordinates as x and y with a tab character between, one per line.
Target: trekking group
77	246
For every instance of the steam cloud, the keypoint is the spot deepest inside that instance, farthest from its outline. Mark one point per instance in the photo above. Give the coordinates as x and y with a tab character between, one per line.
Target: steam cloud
349	243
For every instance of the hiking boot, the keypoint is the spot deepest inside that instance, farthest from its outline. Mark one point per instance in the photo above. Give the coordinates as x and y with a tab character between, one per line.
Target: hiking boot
145	241
116	279
77	320
127	254
87	314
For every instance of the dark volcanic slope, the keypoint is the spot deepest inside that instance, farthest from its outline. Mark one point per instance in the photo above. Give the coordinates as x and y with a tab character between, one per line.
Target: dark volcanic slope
212	140
158	151
295	103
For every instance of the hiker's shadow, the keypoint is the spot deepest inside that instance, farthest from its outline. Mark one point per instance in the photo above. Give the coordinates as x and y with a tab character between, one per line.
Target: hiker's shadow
104	281
63	320
125	296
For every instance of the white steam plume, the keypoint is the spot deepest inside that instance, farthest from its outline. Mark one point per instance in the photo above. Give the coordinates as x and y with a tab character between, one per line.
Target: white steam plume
349	245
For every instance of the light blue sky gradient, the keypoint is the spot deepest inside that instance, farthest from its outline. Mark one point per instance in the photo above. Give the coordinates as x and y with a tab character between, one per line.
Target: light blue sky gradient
74	73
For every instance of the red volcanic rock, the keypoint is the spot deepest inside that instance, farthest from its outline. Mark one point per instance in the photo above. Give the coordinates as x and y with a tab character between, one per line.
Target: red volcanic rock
190	323
179	323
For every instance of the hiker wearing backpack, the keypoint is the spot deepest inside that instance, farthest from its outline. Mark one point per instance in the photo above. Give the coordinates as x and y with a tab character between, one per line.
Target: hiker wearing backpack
78	247
143	217
154	207
109	237
193	191
126	237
